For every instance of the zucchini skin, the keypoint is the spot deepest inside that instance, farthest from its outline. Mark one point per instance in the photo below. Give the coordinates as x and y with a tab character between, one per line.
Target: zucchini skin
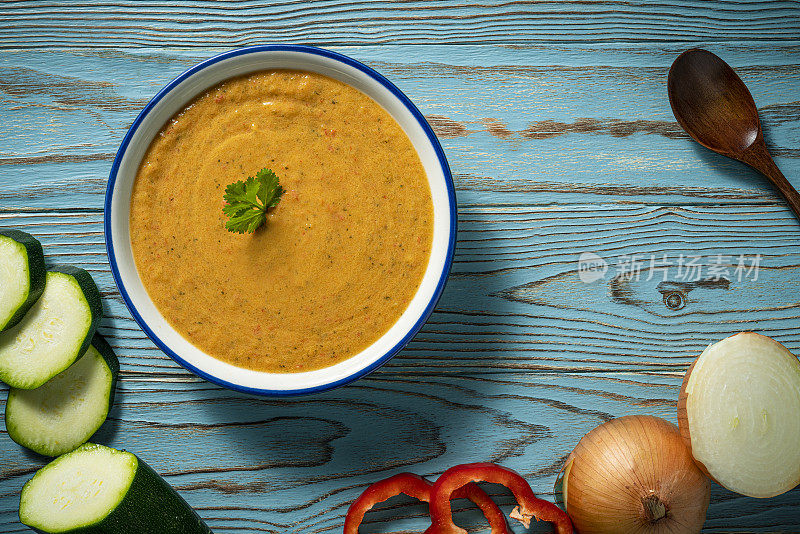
37	273
151	506
105	350
92	295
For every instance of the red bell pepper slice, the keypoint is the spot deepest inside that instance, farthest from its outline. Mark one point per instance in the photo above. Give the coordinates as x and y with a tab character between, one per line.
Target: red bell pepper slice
529	507
419	488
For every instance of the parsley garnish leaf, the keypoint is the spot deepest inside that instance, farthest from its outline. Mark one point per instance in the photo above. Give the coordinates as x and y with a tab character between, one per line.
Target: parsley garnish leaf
247	201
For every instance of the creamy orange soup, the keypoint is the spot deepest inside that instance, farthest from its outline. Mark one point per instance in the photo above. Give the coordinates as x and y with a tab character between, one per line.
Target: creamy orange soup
338	260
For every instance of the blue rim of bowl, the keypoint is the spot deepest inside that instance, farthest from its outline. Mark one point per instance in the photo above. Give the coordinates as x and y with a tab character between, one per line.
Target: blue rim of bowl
451	196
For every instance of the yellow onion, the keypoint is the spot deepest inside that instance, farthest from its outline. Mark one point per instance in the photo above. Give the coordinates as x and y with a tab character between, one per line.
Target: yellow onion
739	414
634	475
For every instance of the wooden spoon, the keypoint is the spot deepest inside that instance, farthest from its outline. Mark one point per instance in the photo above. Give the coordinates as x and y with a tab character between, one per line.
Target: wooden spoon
714	106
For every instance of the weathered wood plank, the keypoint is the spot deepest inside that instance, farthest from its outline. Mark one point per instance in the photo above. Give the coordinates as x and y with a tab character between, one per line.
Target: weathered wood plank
249	464
557	150
95	23
515	300
537	125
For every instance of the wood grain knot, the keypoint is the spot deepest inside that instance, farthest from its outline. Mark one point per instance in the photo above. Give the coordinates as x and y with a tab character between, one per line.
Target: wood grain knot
674	300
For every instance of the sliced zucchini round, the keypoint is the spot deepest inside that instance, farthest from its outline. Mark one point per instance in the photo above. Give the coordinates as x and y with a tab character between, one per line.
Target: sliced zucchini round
54	333
22	275
67	410
96	489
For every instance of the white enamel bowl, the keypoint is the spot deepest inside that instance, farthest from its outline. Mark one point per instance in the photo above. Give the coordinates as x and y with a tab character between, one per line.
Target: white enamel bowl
172	99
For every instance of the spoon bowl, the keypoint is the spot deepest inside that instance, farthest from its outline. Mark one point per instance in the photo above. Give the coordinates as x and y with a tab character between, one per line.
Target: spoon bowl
712	103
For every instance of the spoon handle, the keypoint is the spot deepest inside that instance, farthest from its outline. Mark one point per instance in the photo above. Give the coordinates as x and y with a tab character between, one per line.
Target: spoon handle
759	158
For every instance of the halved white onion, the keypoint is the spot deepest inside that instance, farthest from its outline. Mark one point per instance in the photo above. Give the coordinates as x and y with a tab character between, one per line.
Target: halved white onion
739	413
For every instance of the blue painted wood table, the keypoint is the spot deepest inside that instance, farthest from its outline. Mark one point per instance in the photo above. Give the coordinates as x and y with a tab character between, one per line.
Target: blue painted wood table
555	120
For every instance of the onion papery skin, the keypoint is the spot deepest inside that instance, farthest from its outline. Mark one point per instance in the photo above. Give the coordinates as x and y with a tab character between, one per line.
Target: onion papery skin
739	414
634	475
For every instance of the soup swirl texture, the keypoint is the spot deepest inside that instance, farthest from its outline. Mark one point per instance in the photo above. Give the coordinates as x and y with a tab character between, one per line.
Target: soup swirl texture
338	260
